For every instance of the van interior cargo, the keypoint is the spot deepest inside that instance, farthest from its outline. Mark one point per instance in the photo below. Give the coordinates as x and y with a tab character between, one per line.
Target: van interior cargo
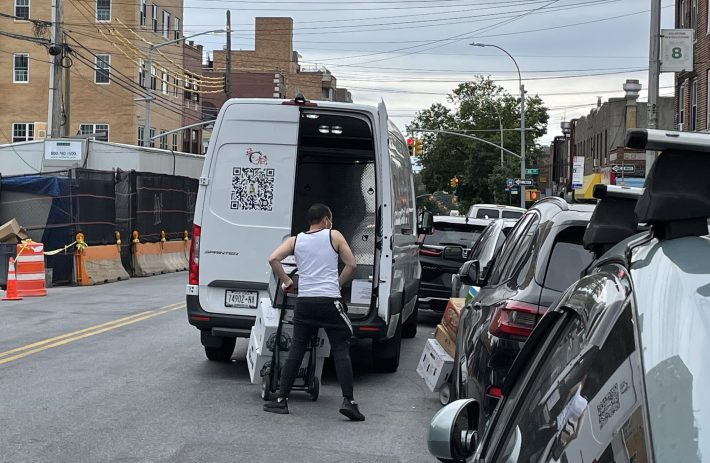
336	167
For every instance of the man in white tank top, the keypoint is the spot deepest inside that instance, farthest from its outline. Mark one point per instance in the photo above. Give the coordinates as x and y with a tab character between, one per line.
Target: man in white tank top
319	303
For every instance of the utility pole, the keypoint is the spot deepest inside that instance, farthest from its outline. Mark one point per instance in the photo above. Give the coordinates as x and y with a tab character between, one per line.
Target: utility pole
522	143
654	69
66	126
228	71
54	108
148	93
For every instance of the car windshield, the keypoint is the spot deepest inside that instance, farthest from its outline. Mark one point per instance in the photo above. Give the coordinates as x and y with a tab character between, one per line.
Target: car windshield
450	234
672	288
487	214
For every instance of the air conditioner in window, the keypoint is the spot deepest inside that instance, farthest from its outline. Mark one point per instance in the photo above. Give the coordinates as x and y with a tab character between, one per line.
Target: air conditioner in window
41	134
596	162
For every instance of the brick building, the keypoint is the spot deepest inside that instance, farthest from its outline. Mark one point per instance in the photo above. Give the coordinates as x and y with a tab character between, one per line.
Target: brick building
600	137
108	40
271	70
691	88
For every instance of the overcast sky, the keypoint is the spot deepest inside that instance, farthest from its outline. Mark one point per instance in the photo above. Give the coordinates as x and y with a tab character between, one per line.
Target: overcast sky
412	53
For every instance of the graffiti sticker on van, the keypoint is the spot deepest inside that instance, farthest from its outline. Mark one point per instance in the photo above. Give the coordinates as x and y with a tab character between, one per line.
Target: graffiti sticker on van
252	189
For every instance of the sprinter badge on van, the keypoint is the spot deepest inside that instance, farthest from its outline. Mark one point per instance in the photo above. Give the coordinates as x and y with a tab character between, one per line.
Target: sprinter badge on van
257	157
241	299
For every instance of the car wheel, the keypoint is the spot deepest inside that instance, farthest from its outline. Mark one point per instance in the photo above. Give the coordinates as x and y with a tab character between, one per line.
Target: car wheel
409	328
222	353
385	353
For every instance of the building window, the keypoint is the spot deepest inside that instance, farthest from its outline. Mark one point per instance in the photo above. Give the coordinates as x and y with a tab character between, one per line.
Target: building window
22	9
103	10
195	88
164	82
166	24
194	143
141	73
21	68
187	94
153	78
151	142
175	141
176	87
102	69
143	12
23	132
176	28
163	140
694	16
681	107
693	105
141	133
99	130
683	13
154	17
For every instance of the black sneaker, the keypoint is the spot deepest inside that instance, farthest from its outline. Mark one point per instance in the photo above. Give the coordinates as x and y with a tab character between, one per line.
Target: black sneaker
350	409
279	406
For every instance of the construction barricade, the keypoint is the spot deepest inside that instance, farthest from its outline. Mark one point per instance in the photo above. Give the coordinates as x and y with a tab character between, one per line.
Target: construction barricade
98	264
162	257
30	269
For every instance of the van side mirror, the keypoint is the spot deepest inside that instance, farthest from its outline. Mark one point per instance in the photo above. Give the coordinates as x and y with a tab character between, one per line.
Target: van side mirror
426	225
453	253
470	273
452	431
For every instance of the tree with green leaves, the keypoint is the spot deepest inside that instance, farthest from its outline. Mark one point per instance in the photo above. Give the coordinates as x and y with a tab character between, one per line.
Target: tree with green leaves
473	110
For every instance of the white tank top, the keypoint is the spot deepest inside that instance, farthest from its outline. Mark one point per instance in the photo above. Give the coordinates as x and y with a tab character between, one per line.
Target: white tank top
317	264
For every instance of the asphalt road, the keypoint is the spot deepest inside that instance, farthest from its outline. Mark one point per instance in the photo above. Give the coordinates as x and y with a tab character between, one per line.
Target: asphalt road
114	373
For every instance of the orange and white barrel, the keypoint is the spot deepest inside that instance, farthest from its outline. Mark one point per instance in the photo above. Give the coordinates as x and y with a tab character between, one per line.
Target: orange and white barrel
30	270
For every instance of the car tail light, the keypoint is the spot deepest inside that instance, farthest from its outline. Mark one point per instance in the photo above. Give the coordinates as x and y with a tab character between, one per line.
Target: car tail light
194	274
513	319
430	252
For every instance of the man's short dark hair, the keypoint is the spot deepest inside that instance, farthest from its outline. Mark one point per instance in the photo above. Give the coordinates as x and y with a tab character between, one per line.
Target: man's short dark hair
318	212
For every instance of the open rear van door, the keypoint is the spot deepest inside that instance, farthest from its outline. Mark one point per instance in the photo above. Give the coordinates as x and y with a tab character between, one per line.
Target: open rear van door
248	203
385	215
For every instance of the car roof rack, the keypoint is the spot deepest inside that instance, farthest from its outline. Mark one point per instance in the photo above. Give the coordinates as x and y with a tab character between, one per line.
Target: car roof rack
676	198
613	220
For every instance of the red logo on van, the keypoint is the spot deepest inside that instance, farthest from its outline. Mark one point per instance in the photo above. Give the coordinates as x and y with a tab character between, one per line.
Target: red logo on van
256	157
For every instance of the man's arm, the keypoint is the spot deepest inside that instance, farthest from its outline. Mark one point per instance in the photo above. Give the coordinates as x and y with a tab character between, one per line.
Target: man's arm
346	255
279	254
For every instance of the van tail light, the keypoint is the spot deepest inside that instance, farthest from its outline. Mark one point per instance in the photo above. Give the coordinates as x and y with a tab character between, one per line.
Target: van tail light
430	252
494	392
194	273
513	320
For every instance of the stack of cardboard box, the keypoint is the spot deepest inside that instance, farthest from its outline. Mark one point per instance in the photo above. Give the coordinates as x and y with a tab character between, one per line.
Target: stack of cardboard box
437	361
262	343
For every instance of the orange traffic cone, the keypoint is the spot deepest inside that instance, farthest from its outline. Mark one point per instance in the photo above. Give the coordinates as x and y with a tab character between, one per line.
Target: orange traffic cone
11	292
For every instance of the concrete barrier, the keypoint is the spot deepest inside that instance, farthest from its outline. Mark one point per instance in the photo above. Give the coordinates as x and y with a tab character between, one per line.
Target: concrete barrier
99	264
156	258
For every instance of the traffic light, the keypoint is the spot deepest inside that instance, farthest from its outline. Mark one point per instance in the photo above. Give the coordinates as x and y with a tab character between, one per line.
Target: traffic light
454	182
418	148
532	195
410	146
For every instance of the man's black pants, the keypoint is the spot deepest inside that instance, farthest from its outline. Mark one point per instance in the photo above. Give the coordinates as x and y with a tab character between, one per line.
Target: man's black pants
311	314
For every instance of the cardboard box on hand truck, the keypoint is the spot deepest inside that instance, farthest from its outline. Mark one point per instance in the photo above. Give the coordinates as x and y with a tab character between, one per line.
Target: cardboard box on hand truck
435	365
446	339
452	313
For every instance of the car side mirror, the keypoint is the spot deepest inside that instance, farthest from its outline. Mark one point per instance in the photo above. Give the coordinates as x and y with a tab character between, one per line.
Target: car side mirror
470	273
453	253
452	431
426	225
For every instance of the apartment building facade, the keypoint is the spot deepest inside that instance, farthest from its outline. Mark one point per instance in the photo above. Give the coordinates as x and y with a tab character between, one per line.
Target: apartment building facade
692	111
108	80
272	69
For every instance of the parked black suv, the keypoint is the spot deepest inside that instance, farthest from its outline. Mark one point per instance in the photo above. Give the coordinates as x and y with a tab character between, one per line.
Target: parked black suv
442	254
541	257
616	370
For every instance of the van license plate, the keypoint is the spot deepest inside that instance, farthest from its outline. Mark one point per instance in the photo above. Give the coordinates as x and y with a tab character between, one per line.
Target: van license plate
237	298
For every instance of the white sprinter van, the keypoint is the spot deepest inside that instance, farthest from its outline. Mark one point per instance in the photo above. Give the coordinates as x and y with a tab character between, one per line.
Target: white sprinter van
268	161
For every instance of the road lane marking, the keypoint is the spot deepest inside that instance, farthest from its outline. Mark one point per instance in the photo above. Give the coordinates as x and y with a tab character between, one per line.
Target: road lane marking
39	346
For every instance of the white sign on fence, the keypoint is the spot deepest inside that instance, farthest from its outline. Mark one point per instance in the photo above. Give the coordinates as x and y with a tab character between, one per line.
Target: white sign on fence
676	50
578	172
62	150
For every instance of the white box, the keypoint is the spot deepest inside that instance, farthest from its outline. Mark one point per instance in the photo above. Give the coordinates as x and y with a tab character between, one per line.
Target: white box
361	292
435	365
259	363
267	323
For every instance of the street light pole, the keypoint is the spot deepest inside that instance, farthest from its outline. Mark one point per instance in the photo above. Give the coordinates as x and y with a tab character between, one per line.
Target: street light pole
522	117
149	79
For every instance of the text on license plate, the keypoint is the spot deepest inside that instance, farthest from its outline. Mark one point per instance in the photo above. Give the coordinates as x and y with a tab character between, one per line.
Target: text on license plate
239	298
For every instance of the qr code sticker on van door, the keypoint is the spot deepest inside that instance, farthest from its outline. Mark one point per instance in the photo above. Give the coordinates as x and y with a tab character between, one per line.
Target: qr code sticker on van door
609	405
252	189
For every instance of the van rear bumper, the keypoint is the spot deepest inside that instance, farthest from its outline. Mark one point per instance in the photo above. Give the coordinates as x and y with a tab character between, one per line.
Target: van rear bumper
219	325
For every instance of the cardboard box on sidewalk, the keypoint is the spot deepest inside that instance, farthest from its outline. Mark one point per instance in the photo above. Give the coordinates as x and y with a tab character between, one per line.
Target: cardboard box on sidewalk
435	365
446	339
452	313
11	232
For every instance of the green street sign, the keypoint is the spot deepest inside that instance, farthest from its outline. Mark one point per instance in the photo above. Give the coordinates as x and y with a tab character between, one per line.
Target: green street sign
532	171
